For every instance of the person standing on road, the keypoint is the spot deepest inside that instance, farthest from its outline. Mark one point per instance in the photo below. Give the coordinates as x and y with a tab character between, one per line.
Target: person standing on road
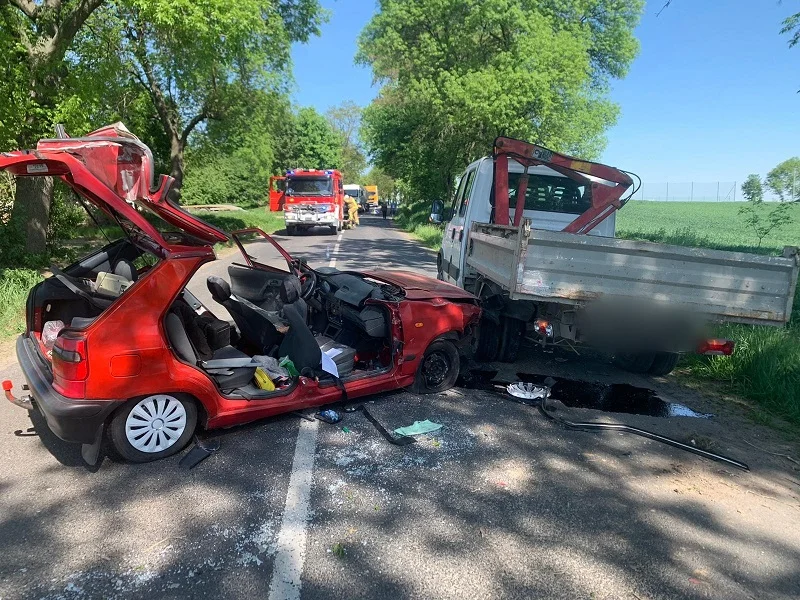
393	208
384	208
352	207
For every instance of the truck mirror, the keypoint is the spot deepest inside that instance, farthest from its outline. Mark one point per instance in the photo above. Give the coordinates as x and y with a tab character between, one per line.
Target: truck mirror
437	212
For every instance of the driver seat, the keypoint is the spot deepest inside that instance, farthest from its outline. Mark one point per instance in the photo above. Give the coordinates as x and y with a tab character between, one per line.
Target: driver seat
301	345
257	331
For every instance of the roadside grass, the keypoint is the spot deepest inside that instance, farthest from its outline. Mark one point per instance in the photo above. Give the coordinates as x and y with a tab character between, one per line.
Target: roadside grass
14	287
429	235
765	367
15	283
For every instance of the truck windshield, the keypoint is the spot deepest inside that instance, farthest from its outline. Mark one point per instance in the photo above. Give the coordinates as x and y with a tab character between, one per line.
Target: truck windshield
550	194
309	186
353	193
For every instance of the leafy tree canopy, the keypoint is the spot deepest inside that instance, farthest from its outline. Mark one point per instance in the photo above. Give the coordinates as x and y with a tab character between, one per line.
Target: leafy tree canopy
458	73
784	180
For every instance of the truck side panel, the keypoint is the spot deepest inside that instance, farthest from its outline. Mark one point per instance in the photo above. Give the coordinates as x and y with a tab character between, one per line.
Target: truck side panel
574	269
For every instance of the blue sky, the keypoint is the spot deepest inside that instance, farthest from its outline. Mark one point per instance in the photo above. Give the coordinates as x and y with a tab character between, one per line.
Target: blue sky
711	96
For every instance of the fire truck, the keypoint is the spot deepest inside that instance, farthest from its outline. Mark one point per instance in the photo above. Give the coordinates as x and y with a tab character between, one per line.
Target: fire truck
313	198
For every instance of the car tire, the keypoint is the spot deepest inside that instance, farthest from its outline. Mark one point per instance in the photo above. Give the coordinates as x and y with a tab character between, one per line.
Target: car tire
512	332
636	362
438	369
291	230
664	363
149	428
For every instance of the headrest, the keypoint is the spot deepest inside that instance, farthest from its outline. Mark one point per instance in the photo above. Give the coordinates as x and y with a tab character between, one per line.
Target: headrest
219	288
290	290
125	268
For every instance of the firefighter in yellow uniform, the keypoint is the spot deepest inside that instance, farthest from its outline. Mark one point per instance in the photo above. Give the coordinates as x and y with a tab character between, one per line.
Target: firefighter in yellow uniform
352	206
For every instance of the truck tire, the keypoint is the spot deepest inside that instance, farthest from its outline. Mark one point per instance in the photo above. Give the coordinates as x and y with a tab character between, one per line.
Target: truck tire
487	343
664	363
439	272
635	362
511	333
291	230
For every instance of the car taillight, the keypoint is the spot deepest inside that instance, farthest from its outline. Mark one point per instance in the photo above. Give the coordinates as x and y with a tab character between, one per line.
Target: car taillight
70	365
716	347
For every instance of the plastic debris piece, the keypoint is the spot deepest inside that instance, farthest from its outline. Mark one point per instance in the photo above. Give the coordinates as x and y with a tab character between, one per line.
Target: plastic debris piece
418	428
345	430
329	416
50	332
287	364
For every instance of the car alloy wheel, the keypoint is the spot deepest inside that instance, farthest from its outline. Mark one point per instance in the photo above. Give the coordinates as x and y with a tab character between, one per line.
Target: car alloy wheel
155	423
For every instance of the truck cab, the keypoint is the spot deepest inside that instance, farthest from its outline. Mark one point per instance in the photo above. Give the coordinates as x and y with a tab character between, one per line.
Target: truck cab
552	202
313	198
357	193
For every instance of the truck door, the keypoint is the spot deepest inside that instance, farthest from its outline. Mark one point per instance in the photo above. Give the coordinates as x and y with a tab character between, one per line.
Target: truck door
449	271
459	221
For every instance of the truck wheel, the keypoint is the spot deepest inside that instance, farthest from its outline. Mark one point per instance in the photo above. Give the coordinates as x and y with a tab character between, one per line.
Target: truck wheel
291	230
637	362
438	369
487	346
512	332
439	272
664	363
153	427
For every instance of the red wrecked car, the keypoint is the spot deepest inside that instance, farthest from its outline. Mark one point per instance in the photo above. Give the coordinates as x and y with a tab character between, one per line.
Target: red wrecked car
116	343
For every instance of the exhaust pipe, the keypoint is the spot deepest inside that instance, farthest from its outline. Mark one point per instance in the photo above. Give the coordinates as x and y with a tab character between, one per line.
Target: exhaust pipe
25	402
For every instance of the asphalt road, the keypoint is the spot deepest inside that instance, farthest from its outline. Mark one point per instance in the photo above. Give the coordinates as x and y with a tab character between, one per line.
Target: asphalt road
499	503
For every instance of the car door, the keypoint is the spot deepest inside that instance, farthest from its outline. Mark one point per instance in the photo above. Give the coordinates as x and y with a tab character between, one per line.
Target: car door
459	220
449	234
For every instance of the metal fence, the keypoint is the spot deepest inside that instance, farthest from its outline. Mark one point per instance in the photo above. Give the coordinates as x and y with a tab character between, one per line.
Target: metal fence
700	191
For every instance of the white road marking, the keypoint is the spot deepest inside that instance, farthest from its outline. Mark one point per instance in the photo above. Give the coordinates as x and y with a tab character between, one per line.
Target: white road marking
334	253
339	239
290	555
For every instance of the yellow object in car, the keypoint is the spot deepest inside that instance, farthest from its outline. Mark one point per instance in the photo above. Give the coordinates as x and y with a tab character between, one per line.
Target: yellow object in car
263	381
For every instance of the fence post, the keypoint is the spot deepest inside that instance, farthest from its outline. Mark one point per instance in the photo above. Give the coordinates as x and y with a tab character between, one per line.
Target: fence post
718	191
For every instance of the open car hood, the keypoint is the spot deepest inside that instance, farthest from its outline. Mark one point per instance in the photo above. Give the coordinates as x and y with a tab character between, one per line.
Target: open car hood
110	167
420	287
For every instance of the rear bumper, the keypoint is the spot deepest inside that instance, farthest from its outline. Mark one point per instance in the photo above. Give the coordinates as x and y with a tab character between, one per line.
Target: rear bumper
69	419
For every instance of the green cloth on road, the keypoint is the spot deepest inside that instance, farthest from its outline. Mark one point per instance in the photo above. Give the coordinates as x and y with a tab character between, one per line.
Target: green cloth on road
419	427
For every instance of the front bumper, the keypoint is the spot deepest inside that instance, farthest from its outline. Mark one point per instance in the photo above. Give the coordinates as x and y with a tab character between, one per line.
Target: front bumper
71	420
310	218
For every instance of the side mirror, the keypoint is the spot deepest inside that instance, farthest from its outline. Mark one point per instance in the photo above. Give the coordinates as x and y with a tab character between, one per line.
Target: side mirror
437	213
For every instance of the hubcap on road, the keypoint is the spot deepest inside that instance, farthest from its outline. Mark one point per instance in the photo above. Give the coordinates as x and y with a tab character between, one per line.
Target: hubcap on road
155	423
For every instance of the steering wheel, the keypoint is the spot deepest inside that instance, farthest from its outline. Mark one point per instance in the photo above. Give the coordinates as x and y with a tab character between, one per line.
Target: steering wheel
308	281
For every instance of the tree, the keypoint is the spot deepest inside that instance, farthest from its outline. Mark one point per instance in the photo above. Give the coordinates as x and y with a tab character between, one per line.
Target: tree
377	176
41	33
193	58
346	120
762	217
458	73
784	180
308	141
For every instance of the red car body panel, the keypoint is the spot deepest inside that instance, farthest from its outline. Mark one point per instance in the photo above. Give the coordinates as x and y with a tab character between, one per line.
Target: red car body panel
126	349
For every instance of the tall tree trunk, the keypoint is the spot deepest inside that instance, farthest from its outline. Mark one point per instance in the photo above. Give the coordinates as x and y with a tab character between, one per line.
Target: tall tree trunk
177	166
31	211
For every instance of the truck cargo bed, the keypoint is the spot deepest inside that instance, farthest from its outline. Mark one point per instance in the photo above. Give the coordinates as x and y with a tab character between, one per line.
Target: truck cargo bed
569	268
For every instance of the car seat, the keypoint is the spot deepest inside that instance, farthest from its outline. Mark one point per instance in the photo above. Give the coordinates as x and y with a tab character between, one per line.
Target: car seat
254	325
301	346
229	367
